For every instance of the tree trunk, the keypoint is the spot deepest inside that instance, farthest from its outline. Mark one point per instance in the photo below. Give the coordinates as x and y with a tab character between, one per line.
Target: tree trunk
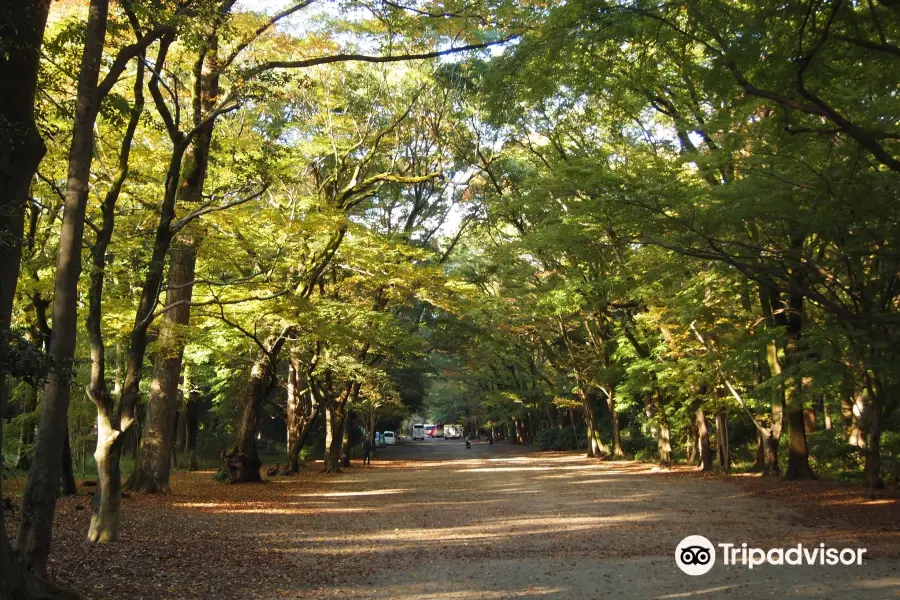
345	442
26	436
241	460
177	435
21	149
67	486
153	276
157	441
693	443
703	441
39	497
663	440
595	448
532	429
771	468
16	583
852	411
302	410
293	465
809	419
105	510
722	452
333	424
293	416
798	454
110	439
876	425
152	472
191	429
614	421
760	458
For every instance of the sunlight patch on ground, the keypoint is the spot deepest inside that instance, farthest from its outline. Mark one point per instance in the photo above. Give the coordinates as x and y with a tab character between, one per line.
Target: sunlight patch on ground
692	593
406	538
348	494
518	469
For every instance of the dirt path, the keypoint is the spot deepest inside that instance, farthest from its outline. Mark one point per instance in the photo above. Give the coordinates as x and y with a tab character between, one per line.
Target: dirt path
433	520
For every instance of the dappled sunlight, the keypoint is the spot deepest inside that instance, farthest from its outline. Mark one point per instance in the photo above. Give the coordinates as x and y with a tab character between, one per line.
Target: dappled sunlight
521	469
693	593
518	526
349	494
289	511
416	592
412	539
890	583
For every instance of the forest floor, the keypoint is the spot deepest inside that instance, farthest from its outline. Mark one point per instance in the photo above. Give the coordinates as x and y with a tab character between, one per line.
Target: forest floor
433	520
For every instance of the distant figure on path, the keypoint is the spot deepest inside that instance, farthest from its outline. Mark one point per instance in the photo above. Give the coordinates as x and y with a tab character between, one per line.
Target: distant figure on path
468	443
491	440
367	450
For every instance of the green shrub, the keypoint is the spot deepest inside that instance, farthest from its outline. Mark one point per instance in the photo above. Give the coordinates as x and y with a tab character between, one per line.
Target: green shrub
558	439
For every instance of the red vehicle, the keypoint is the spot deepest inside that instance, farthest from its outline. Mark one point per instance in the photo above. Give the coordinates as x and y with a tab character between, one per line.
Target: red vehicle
434	431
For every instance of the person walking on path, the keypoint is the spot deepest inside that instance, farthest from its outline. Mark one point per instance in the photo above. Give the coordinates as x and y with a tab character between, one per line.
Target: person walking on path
367	450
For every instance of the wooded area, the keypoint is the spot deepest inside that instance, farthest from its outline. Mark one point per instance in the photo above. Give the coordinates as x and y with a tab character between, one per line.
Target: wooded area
241	232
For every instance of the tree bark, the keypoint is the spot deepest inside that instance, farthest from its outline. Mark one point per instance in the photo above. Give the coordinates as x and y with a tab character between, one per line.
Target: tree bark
177	435
693	443
105	510
798	454
241	459
595	448
614	421
26	435
152	472
126	415
21	147
703	441
39	497
722	451
345	442
333	423
301	413
663	440
852	410
110	441
876	425
151	476
293	463
191	429
760	458
67	486
771	468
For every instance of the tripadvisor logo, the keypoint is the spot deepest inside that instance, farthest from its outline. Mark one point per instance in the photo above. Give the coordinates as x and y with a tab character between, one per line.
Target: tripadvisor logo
696	555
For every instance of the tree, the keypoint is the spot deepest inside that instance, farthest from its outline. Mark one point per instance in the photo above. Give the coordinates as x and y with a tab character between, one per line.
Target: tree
21	149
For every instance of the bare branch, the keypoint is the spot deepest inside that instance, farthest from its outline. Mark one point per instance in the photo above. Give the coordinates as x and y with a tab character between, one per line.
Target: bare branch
335	58
261	30
179	225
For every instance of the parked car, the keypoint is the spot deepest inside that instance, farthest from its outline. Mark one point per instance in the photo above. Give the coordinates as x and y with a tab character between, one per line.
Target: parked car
379	440
389	438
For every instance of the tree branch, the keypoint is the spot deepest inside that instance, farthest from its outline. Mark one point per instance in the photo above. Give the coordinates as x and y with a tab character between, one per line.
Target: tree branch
180	224
324	60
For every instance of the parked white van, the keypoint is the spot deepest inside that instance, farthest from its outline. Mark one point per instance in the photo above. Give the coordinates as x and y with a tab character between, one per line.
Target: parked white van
418	431
389	438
